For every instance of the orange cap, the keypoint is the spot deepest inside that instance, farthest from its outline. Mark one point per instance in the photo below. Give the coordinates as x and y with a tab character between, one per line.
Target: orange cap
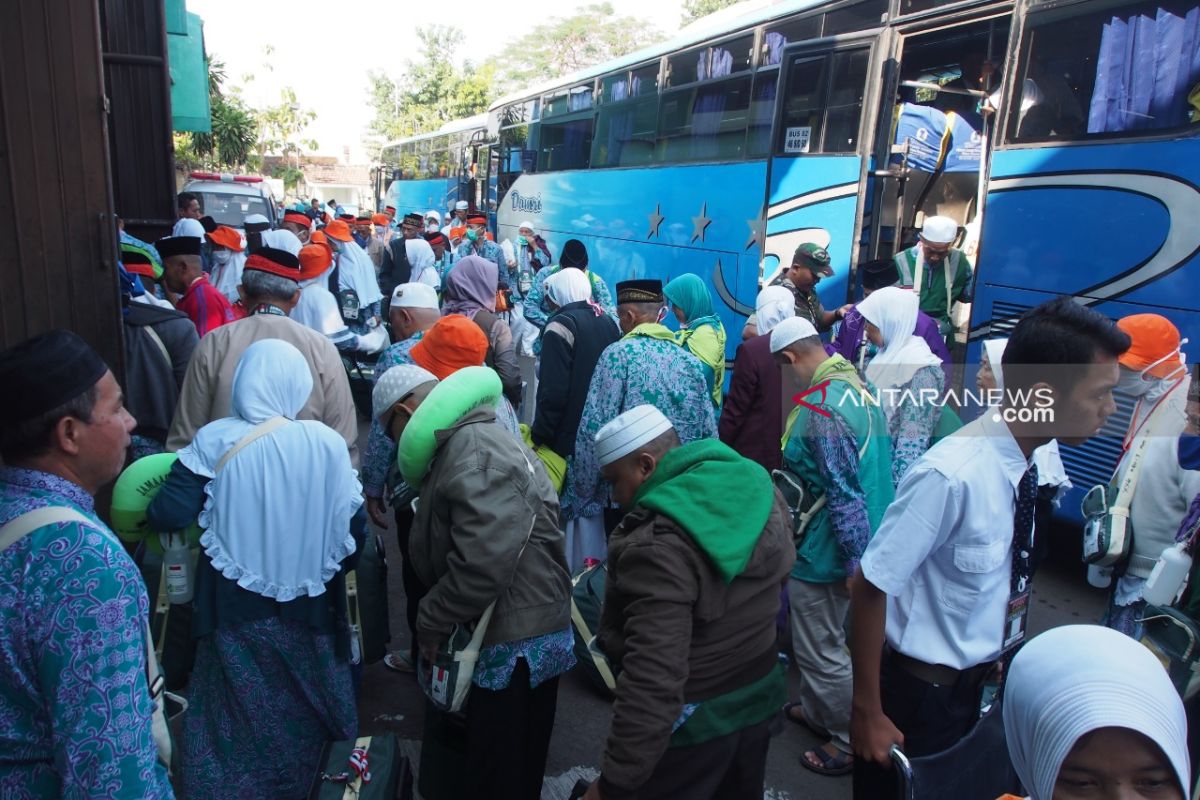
224	236
452	343
338	229
1154	340
314	260
381	219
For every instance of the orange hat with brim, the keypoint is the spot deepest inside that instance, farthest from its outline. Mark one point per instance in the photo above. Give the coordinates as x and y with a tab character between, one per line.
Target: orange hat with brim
314	260
1154	340
224	236
381	219
338	229
452	343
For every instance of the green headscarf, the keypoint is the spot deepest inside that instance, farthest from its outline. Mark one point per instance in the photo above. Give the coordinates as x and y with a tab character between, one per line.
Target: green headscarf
689	293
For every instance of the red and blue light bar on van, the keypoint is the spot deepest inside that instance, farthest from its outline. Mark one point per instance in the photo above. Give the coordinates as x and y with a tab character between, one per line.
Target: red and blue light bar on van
224	177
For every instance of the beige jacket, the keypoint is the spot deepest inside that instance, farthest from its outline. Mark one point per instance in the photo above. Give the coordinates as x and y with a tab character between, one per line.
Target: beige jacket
208	386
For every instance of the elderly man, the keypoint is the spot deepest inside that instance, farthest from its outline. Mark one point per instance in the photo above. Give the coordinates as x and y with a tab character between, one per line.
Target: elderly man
297	223
270	290
937	271
646	366
836	444
810	263
75	703
486	531
183	274
689	615
407	258
456	224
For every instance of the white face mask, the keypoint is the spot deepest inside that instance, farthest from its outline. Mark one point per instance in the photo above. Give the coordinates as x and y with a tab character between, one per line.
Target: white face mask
432	227
222	256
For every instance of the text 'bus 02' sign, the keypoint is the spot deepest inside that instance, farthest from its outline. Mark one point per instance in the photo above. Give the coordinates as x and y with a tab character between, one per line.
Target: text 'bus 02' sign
797	139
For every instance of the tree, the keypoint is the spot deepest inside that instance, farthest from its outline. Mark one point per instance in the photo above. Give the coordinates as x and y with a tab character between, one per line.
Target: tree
695	9
230	145
432	91
280	129
565	44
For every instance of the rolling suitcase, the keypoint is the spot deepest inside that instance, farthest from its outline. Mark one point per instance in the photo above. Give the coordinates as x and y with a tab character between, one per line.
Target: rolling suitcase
977	768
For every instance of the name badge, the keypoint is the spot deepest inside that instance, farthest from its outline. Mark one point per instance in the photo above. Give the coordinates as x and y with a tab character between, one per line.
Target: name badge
1015	619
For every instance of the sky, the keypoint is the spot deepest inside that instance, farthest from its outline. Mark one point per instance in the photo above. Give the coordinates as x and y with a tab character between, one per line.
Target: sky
324	50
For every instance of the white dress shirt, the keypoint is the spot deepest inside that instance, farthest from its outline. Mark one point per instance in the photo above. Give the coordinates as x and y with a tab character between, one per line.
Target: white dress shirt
943	552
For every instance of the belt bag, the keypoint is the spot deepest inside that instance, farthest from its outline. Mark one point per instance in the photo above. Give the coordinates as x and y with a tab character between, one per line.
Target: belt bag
800	499
1107	528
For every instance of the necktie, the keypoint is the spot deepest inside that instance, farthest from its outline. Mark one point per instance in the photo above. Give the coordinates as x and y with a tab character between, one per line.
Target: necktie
1022	566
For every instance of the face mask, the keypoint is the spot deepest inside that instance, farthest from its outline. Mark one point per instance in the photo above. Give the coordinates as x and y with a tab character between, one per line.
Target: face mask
472	234
222	257
431	227
1132	384
523	241
1189	451
662	314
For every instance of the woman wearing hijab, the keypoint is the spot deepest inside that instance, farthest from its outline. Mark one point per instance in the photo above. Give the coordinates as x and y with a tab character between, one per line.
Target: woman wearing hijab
575	336
470	290
274	495
905	372
701	331
1090	713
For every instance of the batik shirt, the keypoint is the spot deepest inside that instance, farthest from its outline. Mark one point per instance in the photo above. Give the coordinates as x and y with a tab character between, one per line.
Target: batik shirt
74	705
548	656
835	451
912	424
489	250
646	366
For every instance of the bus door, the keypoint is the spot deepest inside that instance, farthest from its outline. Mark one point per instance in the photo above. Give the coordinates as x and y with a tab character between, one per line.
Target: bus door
819	162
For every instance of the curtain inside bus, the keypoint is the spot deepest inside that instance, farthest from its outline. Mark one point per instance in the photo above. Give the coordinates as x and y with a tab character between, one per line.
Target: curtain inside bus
710	102
1145	69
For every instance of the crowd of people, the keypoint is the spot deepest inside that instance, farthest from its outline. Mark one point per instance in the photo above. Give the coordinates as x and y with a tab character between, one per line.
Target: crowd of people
824	508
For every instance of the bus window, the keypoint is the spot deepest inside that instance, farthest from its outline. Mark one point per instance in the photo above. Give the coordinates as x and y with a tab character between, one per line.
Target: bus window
1104	69
917	6
823	106
565	145
705	122
858	17
578	98
644	81
518	113
762	110
790	32
625	133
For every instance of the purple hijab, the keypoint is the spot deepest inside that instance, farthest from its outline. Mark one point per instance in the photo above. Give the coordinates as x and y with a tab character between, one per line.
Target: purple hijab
470	287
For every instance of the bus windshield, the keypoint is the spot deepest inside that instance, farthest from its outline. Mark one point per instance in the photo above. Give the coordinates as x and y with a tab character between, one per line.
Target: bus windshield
232	209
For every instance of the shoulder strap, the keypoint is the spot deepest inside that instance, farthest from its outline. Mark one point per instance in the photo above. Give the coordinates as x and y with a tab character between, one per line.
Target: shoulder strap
904	267
951	268
162	348
256	433
18	528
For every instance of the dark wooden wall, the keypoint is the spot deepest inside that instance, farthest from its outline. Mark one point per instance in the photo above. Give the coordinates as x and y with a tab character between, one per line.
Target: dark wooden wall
134	51
57	238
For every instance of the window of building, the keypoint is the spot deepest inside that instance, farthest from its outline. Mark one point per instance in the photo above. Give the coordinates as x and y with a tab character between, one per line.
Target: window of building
1104	69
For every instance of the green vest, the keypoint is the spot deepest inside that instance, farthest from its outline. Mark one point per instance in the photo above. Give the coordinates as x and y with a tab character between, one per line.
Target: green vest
819	557
940	285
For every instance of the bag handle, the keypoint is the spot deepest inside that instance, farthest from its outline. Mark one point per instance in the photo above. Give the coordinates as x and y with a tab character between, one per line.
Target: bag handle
1129	484
256	433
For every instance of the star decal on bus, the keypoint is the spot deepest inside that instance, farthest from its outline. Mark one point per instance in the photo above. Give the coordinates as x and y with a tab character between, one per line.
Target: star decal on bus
757	233
700	224
656	219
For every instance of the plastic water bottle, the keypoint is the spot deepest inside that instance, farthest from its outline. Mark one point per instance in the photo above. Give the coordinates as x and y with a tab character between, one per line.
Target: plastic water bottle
1100	577
1168	577
177	561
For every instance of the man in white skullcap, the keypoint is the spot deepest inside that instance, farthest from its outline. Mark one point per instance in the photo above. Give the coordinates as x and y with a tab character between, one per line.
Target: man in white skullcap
836	446
937	271
689	614
456	224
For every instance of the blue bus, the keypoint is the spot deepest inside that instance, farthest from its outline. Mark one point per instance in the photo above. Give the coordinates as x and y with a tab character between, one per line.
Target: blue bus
1072	168
431	171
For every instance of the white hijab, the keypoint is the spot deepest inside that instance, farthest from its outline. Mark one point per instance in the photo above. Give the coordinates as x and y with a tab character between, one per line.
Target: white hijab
277	516
568	286
282	239
894	311
1076	679
227	276
356	271
773	305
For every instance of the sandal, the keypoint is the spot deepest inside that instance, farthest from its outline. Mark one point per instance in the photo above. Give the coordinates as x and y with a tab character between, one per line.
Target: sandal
840	764
802	719
399	661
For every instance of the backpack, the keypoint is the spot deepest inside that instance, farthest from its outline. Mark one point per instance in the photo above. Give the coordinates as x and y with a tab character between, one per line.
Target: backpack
587	602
